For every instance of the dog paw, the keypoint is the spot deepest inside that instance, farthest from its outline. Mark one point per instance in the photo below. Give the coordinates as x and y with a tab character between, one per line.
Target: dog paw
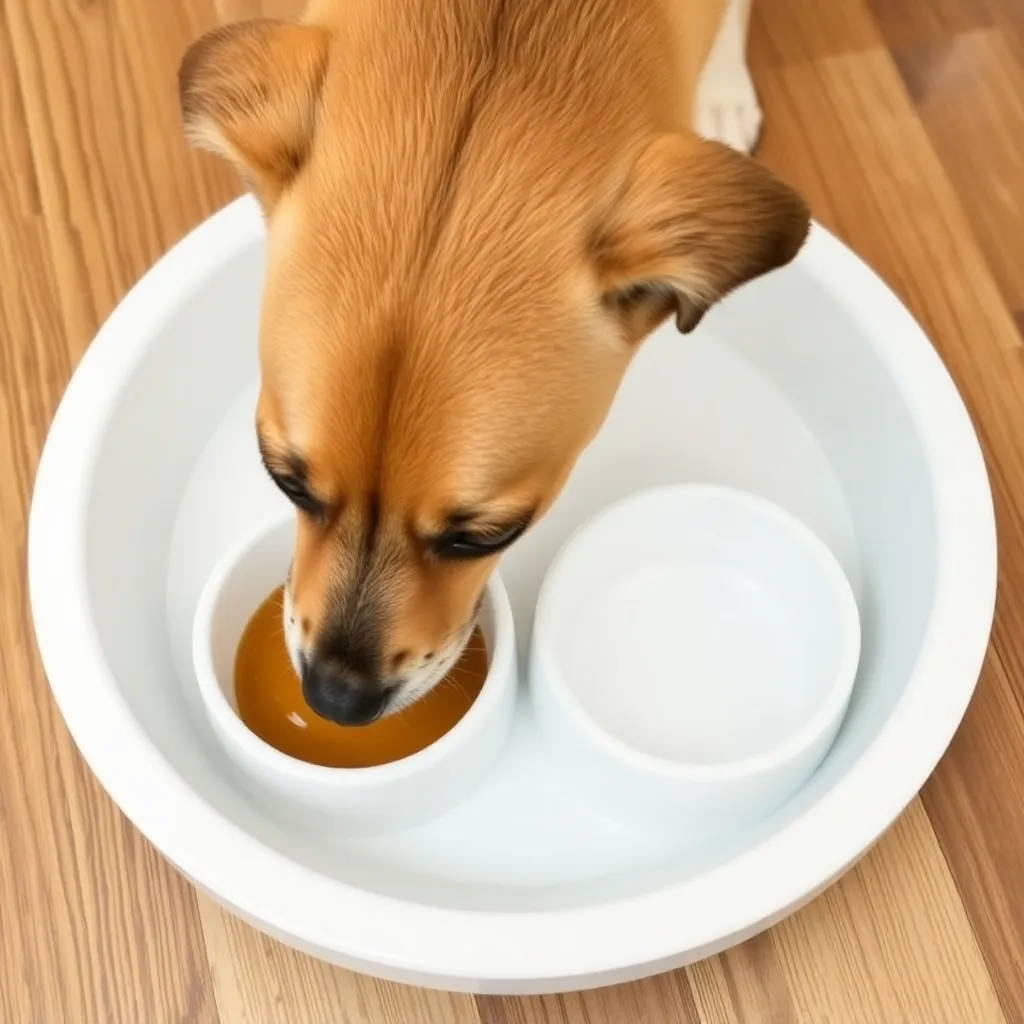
727	109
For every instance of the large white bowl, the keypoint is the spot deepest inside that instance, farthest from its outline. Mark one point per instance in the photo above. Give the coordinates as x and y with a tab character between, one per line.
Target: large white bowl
694	651
813	387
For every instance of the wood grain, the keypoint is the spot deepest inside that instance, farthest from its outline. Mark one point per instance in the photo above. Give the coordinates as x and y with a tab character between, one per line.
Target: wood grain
258	979
665	998
858	951
903	123
969	94
904	22
94	926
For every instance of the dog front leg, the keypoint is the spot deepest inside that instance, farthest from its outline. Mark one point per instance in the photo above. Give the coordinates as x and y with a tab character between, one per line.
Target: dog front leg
726	107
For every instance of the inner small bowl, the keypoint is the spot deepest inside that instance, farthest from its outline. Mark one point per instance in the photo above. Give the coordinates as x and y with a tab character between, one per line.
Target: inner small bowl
379	798
693	654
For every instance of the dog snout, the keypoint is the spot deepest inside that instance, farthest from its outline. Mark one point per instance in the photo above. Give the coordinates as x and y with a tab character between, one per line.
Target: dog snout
341	696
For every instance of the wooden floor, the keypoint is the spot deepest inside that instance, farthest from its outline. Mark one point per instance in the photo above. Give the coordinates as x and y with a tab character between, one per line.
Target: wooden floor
903	123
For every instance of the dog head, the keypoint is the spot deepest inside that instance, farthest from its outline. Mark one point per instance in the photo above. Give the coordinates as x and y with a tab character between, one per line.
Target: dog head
456	283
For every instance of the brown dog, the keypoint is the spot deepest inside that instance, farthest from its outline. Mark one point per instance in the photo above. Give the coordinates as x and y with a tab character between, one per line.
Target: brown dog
476	211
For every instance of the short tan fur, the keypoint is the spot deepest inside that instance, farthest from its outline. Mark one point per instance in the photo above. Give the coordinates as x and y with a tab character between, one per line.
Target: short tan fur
476	211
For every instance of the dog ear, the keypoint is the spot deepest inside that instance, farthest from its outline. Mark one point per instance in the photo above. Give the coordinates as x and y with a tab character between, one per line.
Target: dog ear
693	221
249	91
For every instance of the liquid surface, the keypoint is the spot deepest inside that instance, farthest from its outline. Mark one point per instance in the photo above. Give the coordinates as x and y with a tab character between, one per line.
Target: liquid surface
270	702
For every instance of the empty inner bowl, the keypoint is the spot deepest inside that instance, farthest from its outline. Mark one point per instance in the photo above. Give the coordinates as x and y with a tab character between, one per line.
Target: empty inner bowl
703	643
704	626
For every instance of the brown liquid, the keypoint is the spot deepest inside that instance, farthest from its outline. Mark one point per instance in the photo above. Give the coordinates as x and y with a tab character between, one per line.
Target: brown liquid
270	702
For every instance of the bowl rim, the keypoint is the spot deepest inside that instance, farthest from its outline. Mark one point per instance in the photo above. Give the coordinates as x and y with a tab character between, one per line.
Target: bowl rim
824	715
224	719
528	950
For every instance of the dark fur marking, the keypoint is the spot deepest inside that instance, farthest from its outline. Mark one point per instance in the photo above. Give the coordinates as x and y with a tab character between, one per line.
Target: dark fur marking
352	633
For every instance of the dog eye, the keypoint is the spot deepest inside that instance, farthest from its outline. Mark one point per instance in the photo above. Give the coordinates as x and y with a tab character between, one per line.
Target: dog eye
296	493
466	544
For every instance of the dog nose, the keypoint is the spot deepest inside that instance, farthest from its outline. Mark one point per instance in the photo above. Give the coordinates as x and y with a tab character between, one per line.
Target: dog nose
341	697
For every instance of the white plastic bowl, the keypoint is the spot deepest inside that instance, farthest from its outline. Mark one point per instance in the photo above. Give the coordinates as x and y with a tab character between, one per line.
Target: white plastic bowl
813	387
694	651
362	800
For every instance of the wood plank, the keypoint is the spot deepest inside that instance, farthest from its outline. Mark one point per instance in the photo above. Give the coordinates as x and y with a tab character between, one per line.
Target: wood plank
260	981
746	983
793	31
973	801
95	927
1009	15
883	190
117	184
907	22
969	93
878	182
892	943
664	998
